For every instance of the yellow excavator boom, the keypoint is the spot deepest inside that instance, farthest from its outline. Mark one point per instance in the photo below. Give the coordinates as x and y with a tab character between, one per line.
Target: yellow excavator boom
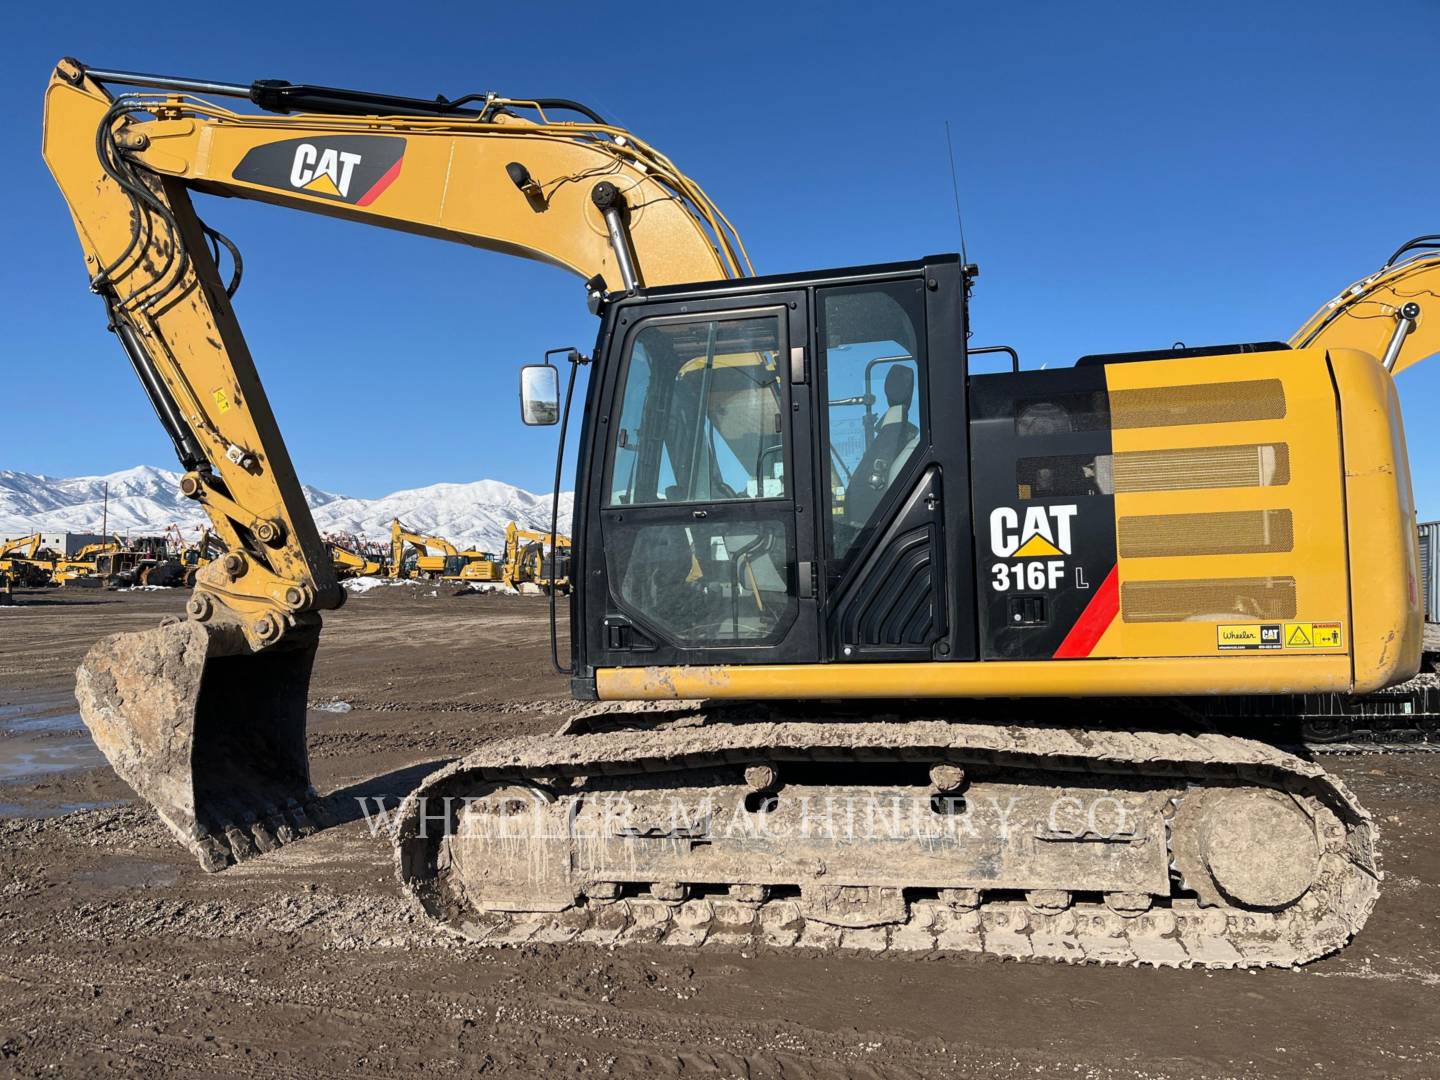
1390	314
492	179
23	547
503	174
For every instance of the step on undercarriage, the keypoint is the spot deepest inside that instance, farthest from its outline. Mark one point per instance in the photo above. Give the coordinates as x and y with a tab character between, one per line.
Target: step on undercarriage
800	828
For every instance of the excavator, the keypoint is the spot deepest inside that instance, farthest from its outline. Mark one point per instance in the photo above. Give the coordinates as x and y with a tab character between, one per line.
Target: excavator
348	563
26	561
451	564
536	559
421	564
475	566
80	568
882	651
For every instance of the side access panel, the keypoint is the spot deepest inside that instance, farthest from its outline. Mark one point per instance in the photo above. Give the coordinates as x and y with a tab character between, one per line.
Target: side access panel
1211	485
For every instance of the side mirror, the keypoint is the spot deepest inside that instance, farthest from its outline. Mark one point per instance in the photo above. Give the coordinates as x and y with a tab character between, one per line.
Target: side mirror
539	395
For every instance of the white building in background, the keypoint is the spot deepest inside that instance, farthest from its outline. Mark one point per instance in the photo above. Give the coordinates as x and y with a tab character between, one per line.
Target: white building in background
69	543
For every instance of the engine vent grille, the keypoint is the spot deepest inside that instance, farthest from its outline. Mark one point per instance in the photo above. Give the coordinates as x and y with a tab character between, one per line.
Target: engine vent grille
1241	532
1206	403
1219	600
1253	465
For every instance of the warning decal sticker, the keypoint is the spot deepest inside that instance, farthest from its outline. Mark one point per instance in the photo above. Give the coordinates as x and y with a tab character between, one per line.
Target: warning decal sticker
1317	635
1296	635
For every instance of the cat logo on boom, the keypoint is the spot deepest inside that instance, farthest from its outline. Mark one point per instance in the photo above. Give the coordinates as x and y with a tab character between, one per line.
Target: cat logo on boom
354	169
326	171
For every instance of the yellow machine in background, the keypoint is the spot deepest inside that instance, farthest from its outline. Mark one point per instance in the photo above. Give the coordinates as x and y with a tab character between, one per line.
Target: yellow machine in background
451	564
1180	546
536	560
350	563
80	568
26	562
421	563
474	565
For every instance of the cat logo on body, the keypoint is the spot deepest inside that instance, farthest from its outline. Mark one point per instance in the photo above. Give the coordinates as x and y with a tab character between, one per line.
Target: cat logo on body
352	169
1041	537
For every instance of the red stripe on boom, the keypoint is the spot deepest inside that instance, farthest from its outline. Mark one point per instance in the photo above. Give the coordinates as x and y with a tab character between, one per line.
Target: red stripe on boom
381	184
1090	627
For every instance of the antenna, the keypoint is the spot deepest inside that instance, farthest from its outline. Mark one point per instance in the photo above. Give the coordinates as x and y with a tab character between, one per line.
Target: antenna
955	185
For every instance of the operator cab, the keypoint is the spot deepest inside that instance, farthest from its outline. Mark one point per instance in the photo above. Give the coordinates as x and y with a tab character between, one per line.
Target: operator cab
761	479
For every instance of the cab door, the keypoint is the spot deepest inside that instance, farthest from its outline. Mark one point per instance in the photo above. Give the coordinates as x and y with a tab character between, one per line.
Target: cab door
704	500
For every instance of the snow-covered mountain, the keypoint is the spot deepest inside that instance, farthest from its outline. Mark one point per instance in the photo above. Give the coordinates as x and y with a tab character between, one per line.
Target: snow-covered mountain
146	500
473	514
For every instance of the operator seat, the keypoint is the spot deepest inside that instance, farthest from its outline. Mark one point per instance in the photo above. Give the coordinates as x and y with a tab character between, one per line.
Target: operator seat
895	438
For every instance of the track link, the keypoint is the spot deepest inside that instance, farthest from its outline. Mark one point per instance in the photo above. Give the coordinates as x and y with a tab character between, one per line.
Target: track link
1189	927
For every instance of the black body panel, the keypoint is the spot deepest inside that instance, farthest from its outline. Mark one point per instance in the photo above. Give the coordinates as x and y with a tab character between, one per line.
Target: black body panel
1044	505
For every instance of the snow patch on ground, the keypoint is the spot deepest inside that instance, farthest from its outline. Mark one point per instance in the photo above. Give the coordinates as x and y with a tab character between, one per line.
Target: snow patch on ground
361	585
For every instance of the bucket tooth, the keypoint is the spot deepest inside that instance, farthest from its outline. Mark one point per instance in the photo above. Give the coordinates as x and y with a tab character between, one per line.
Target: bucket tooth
263	836
299	820
280	826
241	846
207	731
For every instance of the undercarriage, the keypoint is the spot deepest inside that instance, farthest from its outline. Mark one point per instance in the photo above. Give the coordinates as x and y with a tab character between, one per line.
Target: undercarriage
812	828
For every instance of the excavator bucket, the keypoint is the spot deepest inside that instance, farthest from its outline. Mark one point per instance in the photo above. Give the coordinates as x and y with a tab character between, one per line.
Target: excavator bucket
209	732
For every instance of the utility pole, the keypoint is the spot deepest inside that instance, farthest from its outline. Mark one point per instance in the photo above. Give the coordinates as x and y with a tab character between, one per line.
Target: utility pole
105	516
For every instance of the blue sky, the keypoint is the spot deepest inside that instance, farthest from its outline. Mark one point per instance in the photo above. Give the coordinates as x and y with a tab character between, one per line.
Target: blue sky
1132	174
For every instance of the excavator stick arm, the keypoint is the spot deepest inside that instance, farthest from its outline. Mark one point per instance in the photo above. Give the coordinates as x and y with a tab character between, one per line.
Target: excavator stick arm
148	257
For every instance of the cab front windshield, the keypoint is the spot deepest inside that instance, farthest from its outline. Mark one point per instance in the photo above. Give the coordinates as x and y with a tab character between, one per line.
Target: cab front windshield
700	419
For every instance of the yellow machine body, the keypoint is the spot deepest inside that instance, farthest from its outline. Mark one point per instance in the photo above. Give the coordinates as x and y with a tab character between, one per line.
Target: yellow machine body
1264	538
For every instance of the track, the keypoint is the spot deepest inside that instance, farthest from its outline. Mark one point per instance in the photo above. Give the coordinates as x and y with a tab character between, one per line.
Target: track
1192	924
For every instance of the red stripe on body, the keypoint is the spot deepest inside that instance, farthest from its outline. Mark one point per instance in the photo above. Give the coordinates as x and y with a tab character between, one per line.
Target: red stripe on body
1090	627
380	185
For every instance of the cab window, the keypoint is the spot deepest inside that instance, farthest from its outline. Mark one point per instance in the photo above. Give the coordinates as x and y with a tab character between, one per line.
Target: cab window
701	420
700	415
871	342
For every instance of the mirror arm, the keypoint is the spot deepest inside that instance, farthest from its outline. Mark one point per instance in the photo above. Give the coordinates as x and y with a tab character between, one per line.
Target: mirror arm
573	355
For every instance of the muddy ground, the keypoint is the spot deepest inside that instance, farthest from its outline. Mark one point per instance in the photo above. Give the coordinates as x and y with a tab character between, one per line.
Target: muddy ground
118	955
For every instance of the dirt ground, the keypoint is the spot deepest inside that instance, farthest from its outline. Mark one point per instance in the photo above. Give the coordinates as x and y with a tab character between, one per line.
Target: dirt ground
118	955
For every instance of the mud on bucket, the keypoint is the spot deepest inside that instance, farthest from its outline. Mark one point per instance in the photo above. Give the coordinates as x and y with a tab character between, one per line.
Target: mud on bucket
208	732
